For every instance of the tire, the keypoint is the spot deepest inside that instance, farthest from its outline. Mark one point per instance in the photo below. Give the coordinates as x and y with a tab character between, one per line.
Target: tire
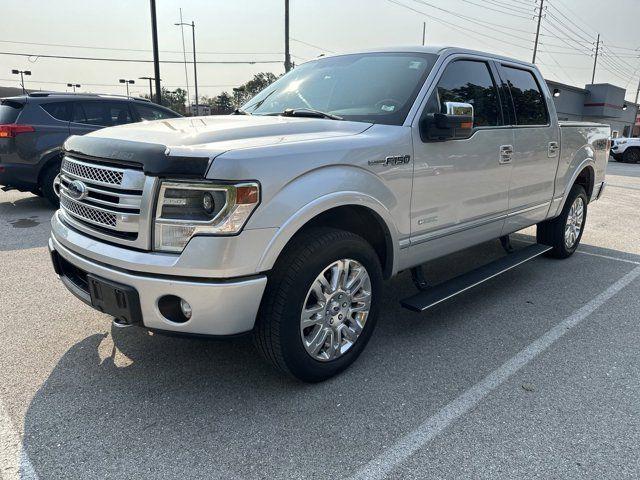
48	184
554	232
279	334
631	155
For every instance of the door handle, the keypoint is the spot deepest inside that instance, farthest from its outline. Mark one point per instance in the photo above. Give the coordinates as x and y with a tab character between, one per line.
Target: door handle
553	149
506	153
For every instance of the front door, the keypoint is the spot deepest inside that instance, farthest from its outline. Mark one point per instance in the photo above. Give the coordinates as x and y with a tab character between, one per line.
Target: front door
461	186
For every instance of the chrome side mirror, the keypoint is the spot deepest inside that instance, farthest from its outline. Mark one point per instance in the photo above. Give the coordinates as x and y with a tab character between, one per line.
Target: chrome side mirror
455	123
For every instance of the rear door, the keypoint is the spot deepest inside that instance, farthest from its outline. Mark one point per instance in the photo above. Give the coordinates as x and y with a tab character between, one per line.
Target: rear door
536	146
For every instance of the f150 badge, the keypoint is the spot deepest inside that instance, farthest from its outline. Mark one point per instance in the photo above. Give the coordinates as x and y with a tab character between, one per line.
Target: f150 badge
392	160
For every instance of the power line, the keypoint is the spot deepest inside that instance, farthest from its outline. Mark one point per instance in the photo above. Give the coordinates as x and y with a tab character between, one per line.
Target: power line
312	45
129	60
473	20
458	27
494	9
66	45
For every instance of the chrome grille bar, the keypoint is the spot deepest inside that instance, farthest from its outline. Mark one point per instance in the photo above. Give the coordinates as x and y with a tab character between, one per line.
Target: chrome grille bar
107	201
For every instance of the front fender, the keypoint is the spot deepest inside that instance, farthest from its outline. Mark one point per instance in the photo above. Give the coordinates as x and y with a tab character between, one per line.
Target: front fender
316	192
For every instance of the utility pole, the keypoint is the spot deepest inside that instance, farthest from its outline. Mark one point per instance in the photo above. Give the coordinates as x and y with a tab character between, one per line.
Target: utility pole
184	55
595	60
195	65
195	68
535	46
287	55
156	56
633	124
424	32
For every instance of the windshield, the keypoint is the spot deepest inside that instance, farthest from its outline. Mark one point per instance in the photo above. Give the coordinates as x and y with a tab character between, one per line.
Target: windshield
370	87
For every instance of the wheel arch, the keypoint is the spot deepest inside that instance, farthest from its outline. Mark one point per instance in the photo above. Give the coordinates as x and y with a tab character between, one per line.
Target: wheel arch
350	211
47	159
583	175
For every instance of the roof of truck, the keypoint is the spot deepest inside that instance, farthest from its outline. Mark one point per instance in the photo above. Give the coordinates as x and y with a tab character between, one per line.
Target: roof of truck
437	50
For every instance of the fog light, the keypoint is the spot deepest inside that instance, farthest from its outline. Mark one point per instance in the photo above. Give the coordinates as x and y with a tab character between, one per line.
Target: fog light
186	308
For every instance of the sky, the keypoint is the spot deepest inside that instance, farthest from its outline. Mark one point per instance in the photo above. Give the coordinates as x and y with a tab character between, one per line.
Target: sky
253	30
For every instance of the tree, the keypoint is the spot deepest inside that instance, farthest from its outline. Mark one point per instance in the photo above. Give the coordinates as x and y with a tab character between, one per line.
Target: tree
259	82
175	100
223	103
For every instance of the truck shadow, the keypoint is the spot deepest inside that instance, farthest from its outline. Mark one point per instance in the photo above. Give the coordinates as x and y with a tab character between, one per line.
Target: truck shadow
157	406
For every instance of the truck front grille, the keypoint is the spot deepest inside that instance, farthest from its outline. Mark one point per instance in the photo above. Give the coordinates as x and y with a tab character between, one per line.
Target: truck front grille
107	201
87	172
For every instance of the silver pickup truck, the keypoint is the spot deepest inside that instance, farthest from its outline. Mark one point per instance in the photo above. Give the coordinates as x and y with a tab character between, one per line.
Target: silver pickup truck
284	219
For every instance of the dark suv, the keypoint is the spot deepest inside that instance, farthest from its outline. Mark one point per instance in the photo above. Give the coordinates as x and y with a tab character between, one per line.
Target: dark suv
33	128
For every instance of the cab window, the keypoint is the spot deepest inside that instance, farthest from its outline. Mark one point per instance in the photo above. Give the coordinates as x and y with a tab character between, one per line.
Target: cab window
528	101
468	81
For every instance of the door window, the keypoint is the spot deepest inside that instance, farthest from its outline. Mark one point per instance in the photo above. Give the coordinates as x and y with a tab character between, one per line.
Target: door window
146	112
468	81
528	101
59	110
105	114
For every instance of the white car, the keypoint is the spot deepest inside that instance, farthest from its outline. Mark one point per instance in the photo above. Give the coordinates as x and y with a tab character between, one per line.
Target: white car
626	149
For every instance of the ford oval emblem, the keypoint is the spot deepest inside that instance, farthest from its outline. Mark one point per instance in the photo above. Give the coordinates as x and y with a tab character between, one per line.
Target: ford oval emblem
77	190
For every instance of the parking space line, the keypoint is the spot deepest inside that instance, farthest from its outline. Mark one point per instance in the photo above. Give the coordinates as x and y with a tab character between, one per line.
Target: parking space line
382	465
608	257
14	461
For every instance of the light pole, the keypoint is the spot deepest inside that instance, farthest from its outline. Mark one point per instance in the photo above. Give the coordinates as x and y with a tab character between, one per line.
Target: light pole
195	67
74	85
22	73
151	79
127	83
237	91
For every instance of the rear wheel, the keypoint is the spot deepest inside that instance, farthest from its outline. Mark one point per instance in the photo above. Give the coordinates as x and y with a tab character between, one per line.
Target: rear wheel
631	155
50	184
564	232
319	308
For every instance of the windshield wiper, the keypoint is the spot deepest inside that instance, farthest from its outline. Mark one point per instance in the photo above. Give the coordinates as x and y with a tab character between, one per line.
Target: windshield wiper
237	111
309	112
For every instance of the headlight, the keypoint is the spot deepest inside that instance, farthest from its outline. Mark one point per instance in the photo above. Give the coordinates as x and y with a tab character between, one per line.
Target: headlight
621	142
188	209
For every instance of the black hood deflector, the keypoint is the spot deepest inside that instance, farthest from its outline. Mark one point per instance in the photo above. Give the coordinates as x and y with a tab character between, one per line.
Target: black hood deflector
152	157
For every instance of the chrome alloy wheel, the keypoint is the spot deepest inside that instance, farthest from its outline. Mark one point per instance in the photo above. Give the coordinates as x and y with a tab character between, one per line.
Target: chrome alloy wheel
575	219
335	309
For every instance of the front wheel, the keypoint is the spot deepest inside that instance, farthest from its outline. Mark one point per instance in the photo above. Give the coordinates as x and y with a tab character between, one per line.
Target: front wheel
564	232
631	155
50	184
319	308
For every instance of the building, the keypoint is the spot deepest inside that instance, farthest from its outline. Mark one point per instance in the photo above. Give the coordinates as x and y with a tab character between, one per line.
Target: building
199	110
600	102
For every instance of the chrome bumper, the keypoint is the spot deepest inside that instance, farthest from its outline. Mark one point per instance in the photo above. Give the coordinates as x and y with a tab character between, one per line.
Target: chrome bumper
220	307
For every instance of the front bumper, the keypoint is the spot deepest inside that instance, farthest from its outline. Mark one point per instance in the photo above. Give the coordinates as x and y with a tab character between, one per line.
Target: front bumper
220	307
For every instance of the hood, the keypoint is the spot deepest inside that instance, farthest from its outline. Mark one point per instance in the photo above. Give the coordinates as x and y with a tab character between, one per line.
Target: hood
186	146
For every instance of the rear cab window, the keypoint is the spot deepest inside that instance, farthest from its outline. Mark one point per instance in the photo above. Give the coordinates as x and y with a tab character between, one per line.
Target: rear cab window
528	101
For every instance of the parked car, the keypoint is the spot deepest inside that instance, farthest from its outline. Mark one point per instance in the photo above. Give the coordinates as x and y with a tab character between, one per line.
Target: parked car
284	219
626	149
33	128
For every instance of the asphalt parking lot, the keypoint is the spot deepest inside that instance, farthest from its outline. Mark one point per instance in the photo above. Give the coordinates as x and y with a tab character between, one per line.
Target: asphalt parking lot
534	374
